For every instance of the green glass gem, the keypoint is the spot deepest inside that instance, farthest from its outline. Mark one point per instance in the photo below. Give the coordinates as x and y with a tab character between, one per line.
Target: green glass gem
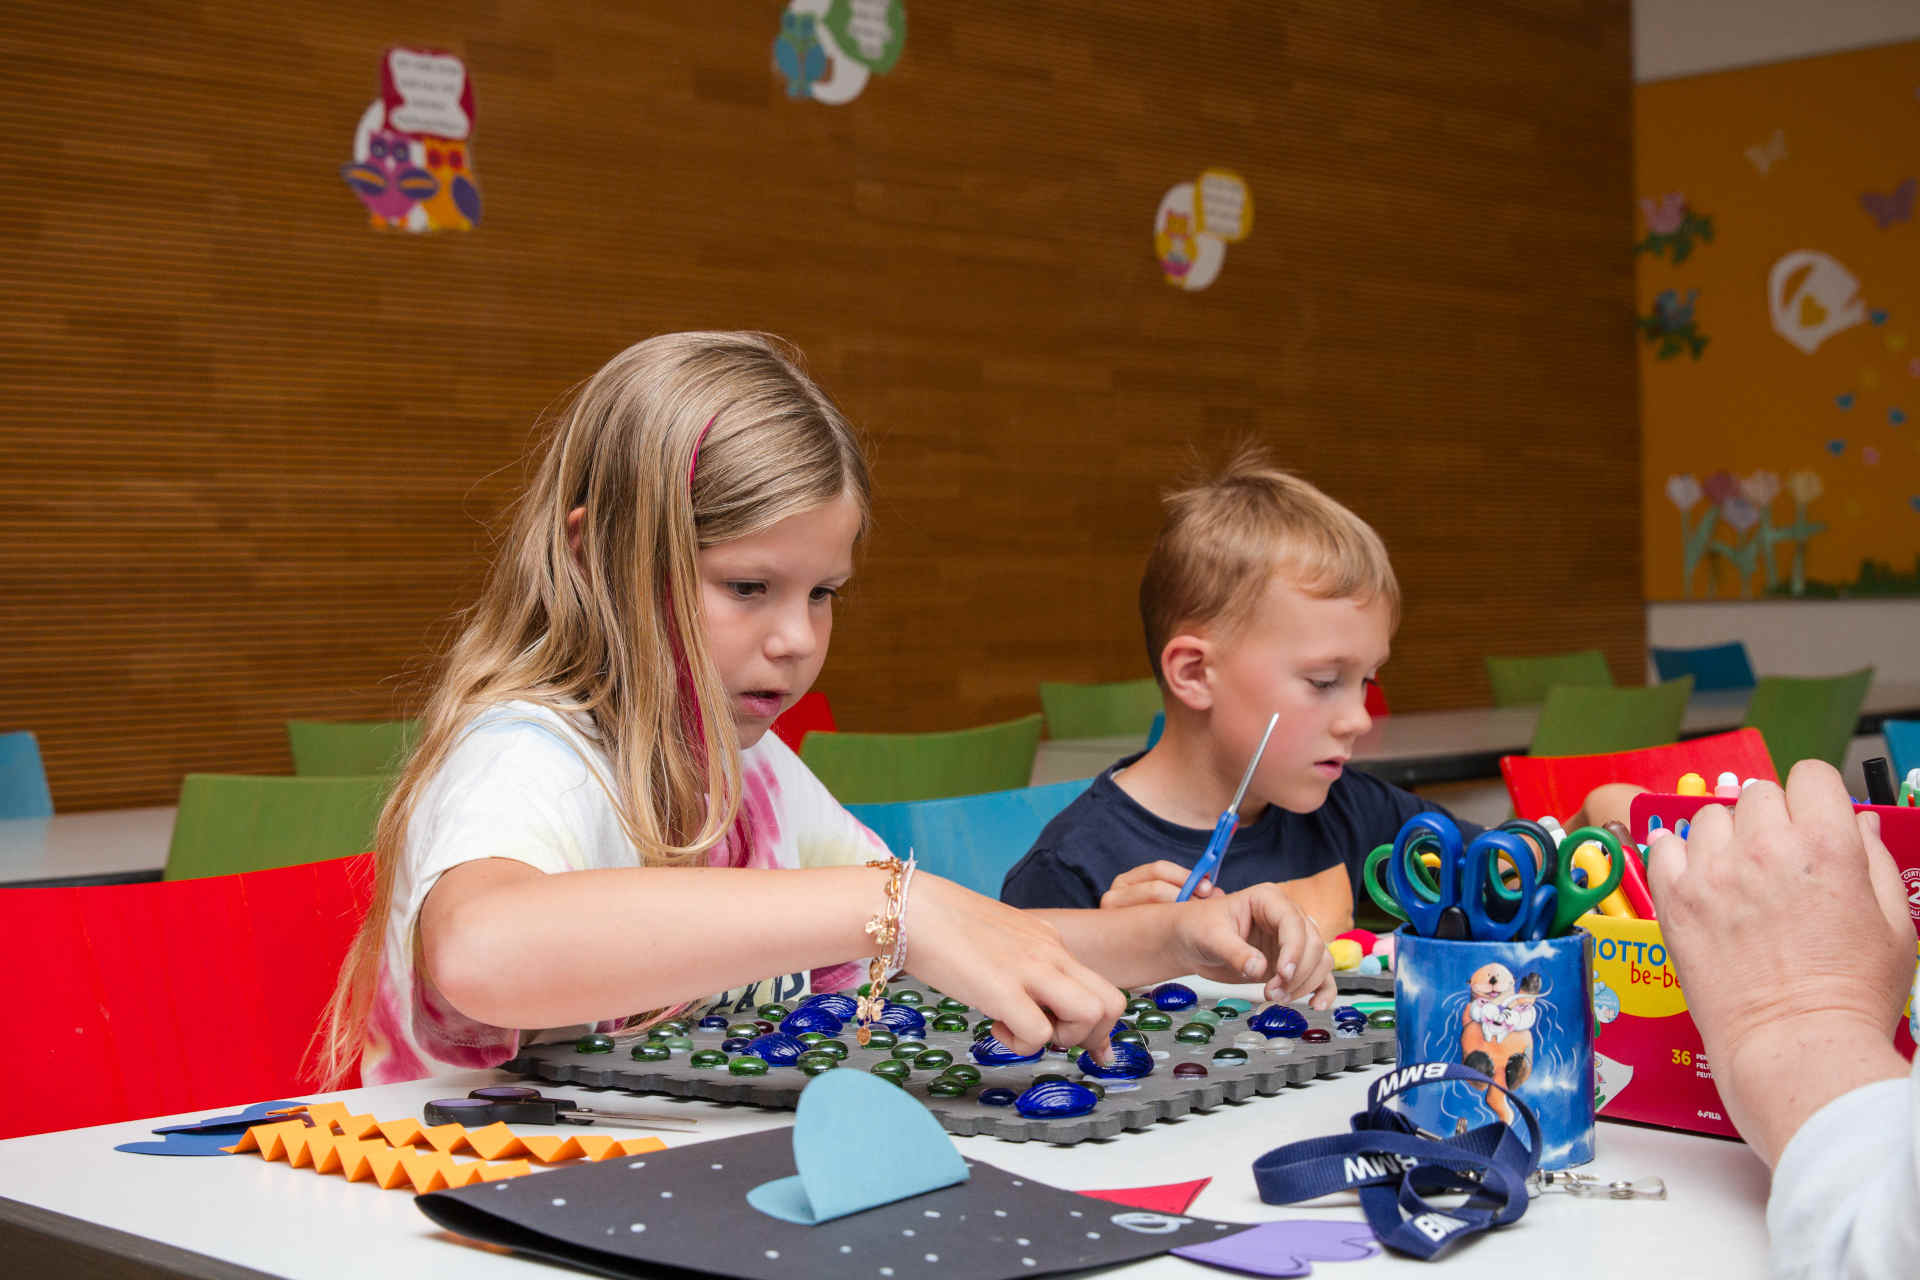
1153	1020
1207	1016
945	1088
595	1043
1194	1033
1230	1055
909	996
746	1029
708	1059
813	1062
1381	1020
865	989
835	1049
1130	1036
949	1005
677	1042
949	1022
810	1038
1225	1011
931	1059
894	1069
1139	1005
1099	1090
984	1027
674	1026
963	1071
908	1050
748	1065
651	1051
1051	1075
879	1037
772	1011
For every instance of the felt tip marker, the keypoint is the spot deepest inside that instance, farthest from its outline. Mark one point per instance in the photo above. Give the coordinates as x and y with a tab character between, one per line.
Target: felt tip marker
1223	830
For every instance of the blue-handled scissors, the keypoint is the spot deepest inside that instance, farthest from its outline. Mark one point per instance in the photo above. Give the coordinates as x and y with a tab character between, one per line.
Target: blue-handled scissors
1573	899
1467	881
1223	829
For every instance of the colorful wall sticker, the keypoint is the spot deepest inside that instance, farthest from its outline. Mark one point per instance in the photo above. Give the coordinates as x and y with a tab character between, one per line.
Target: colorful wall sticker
827	50
412	163
1194	224
1779	458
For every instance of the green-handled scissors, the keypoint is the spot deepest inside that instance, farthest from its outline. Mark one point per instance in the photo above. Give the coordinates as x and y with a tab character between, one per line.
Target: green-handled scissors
1571	901
1425	879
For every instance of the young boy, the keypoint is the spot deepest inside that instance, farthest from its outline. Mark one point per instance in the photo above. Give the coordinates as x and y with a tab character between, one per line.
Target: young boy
1261	595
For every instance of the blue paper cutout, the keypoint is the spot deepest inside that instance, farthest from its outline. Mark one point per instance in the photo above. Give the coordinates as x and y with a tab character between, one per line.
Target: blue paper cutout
1836	447
1286	1248
207	1137
840	1170
1876	316
1914	502
1897	417
1844	401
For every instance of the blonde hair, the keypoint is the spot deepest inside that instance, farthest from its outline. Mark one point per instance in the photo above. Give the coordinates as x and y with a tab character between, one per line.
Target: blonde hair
614	631
1226	536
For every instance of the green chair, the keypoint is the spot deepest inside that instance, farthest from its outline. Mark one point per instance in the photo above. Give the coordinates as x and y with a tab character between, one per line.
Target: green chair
1581	720
229	823
1808	718
1099	710
336	748
1517	681
880	768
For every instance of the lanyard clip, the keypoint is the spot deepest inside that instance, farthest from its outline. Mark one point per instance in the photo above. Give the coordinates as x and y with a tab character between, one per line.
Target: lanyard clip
1590	1187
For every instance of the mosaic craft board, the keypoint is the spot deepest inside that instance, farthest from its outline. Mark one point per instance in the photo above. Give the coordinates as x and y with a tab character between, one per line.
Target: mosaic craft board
1363	984
1271	1065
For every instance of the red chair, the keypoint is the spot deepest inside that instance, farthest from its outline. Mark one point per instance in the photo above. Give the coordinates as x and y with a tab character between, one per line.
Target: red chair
803	717
1376	700
126	1001
1558	785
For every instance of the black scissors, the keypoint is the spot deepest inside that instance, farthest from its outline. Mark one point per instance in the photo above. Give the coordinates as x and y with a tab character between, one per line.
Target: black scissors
519	1104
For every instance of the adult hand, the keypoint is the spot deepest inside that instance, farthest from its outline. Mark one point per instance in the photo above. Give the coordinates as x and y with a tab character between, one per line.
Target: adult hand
1011	964
1152	882
1787	925
1256	934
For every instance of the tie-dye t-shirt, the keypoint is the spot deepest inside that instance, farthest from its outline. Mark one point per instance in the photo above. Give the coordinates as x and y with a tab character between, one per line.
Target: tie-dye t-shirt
529	783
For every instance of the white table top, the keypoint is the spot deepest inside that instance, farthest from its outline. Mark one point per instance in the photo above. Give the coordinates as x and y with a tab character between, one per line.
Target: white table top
104	846
296	1223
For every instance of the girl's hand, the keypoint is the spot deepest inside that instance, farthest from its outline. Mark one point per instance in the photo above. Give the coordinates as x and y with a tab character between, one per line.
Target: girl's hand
1011	964
1257	933
1151	882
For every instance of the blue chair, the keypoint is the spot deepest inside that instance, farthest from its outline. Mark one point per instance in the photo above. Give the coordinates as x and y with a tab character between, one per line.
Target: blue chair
970	840
1158	727
1903	744
23	779
1714	666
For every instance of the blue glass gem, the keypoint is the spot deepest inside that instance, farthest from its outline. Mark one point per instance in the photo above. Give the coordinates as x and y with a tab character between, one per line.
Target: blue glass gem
1055	1099
837	1003
989	1052
777	1049
996	1097
736	1044
811	1018
903	1020
1348	1013
713	1022
1278	1020
1130	1062
1174	995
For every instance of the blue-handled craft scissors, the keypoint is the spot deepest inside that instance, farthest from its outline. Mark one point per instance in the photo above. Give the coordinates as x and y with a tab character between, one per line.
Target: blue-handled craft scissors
1466	883
1572	898
1223	829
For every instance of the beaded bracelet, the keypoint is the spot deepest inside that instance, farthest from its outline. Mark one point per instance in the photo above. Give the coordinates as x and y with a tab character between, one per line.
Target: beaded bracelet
890	944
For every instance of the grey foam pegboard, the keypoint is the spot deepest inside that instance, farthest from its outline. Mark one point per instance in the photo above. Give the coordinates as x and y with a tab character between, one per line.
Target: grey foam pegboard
1363	984
1271	1066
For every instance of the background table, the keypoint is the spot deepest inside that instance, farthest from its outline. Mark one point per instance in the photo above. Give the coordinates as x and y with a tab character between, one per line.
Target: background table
71	1200
105	846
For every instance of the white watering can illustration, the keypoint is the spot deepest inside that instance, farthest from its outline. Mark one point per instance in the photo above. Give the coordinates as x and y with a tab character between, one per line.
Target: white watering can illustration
1824	301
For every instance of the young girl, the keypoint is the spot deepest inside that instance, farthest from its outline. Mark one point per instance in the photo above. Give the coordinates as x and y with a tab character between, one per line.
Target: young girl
596	820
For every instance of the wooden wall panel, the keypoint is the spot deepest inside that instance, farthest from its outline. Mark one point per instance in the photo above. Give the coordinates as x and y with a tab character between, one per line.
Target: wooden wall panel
253	447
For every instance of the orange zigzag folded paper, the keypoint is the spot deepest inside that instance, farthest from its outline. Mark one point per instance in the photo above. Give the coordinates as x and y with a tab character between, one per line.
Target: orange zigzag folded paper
327	1139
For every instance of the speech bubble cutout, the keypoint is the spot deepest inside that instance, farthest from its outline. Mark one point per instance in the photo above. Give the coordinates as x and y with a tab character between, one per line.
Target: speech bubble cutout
428	93
871	32
1189	258
1223	205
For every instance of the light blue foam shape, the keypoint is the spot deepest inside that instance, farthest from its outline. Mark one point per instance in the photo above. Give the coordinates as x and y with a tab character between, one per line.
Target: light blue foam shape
858	1142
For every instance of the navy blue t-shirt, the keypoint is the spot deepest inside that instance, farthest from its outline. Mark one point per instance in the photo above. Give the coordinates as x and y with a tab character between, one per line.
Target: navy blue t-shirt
1105	831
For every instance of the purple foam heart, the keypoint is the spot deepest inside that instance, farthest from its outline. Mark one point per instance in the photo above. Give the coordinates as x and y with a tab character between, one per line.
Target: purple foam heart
1287	1248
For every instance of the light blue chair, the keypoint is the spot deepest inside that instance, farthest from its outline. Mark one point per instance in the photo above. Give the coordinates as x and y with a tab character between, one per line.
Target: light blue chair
970	840
1158	727
23	779
1903	744
1714	666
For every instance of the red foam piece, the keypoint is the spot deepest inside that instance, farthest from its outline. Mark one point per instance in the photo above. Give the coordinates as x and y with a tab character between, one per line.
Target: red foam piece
803	717
1173	1197
1558	785
126	1001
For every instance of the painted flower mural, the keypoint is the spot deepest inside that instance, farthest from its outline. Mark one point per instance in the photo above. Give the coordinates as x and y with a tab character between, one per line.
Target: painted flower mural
1736	531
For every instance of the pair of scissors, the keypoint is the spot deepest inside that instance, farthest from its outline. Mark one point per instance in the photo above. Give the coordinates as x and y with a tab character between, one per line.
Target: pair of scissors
1421	860
1209	862
1574	896
518	1104
1465	884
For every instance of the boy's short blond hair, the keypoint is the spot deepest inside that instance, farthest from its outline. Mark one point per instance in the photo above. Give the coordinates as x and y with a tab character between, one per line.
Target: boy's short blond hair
1225	537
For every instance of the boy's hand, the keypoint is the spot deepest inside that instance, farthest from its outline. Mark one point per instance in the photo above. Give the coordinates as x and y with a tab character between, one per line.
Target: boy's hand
1152	882
1258	933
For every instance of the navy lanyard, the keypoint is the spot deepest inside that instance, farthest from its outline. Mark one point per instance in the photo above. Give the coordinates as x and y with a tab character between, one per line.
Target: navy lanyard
1394	1166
